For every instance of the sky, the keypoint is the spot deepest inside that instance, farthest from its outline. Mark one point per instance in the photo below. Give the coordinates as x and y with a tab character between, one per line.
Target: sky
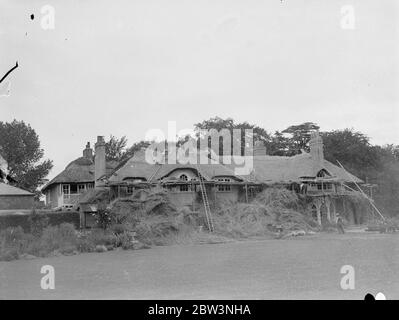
125	67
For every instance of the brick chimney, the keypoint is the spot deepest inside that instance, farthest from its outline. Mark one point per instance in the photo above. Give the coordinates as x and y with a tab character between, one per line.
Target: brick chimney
88	152
99	162
316	148
259	148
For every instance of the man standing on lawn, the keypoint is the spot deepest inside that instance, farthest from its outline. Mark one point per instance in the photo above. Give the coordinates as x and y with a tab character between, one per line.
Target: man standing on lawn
340	224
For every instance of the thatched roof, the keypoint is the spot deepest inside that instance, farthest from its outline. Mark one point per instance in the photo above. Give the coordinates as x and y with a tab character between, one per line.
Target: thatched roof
8	190
278	169
80	170
266	169
138	167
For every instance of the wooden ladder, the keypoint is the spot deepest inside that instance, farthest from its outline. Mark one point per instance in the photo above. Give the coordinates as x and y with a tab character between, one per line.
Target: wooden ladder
208	213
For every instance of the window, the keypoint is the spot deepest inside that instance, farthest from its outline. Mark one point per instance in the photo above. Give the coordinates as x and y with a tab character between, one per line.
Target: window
183	187
90	186
66	189
130	190
323	173
224	187
327	186
81	188
319	187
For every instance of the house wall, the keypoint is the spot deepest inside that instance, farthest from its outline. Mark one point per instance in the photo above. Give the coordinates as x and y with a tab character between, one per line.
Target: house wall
52	196
228	196
11	202
55	197
181	199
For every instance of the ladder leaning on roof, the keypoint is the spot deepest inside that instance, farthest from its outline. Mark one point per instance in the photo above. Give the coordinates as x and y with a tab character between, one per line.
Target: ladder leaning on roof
361	191
154	173
208	213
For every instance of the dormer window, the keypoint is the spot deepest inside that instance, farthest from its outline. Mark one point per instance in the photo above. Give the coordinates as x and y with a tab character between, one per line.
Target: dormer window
323	173
224	187
183	177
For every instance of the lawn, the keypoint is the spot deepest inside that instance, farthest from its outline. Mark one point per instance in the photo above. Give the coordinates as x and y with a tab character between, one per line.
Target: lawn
305	267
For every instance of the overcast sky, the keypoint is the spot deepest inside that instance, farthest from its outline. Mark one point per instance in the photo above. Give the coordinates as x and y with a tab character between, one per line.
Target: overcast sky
124	67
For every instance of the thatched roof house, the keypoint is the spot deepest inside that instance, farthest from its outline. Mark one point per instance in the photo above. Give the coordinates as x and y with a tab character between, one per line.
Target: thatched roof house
77	178
306	173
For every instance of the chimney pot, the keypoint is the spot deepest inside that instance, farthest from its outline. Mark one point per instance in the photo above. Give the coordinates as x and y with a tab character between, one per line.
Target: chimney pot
316	148
99	162
88	152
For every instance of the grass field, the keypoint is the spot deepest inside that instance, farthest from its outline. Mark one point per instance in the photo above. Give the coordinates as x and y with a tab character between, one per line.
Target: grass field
306	267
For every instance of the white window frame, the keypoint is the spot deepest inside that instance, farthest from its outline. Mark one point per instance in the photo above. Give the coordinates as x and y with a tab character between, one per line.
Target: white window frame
79	188
129	190
184	188
69	189
223	187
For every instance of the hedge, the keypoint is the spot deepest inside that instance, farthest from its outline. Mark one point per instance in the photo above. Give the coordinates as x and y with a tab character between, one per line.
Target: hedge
55	218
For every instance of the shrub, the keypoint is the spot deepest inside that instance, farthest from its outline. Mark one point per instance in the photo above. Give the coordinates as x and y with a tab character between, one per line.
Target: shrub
54	218
125	240
12	236
9	254
119	228
37	223
35	248
14	242
67	233
101	237
85	245
57	237
68	249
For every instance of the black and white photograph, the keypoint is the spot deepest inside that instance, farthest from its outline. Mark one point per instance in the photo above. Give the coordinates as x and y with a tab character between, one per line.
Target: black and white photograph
199	150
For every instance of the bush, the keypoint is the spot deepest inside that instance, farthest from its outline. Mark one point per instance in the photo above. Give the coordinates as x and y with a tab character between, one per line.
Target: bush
14	242
125	240
85	245
35	248
54	218
12	236
119	228
37	223
68	249
9	254
58	237
102	237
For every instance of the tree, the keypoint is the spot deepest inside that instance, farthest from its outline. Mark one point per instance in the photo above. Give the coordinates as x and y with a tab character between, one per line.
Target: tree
353	150
375	165
217	123
279	145
300	136
137	146
115	148
21	149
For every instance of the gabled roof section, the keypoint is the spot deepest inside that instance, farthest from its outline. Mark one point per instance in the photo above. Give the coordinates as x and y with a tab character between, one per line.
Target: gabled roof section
8	190
279	169
138	167
135	167
208	171
79	170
